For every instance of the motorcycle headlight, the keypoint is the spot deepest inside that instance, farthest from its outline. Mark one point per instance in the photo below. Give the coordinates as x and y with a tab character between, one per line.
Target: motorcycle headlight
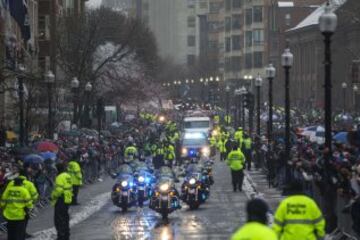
164	187
124	183
162	119
192	181
205	151
184	151
141	179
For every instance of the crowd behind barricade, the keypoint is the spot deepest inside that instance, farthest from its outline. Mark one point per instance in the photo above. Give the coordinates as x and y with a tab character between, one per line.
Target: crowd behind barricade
308	164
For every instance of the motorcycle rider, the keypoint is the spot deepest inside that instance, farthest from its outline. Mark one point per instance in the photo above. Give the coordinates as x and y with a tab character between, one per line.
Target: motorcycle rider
130	152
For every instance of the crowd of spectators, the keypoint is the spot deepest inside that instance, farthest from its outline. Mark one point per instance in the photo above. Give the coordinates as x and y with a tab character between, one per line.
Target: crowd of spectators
311	163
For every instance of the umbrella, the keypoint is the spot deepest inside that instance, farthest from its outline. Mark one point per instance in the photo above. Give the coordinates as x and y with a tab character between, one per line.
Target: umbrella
22	151
34	159
341	137
71	133
47	147
48	155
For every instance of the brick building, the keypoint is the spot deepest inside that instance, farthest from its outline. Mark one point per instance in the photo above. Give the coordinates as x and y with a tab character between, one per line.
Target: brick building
307	46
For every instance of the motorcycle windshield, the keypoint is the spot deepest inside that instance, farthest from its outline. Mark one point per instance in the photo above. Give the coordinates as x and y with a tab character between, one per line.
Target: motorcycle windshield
124	177
125	169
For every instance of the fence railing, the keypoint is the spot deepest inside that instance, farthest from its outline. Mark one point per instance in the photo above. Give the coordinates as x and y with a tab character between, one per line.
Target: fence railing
276	178
92	170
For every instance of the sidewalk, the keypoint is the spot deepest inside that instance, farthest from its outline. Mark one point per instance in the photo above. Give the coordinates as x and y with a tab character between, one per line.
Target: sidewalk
258	181
260	188
91	198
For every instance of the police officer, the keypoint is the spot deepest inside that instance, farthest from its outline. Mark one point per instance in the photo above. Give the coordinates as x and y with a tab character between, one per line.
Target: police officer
238	136
236	162
247	150
222	148
130	152
74	171
256	227
16	202
169	152
61	198
298	216
34	195
158	159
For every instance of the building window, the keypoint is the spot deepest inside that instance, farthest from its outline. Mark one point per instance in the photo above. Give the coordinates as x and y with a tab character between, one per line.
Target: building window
236	3
213	26
248	38
203	4
191	3
215	7
227	24
213	45
236	63
248	60
190	59
227	44
227	5
236	42
236	21
227	64
191	41
258	14
191	21
248	16
258	59
258	36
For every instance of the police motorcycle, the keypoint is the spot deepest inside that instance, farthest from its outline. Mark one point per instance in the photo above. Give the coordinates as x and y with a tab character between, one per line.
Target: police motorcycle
194	190
123	194
165	198
144	181
206	168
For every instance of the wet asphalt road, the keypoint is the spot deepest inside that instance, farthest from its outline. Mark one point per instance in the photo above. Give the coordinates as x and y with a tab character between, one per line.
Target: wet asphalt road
217	219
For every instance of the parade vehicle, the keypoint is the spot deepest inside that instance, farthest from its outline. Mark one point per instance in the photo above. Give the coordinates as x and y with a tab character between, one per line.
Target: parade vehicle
194	190
197	124
165	198
123	194
194	146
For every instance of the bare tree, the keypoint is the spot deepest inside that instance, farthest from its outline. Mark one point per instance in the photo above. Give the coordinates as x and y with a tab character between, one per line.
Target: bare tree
79	53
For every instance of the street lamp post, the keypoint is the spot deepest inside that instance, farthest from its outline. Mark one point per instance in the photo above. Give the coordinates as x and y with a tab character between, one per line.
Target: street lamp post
355	92
21	103
258	84
75	89
49	80
227	90
88	88
237	94
287	59
344	86
243	92
327	25
270	75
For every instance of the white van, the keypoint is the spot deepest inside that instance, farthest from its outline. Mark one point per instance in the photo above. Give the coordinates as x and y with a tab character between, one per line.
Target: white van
197	124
